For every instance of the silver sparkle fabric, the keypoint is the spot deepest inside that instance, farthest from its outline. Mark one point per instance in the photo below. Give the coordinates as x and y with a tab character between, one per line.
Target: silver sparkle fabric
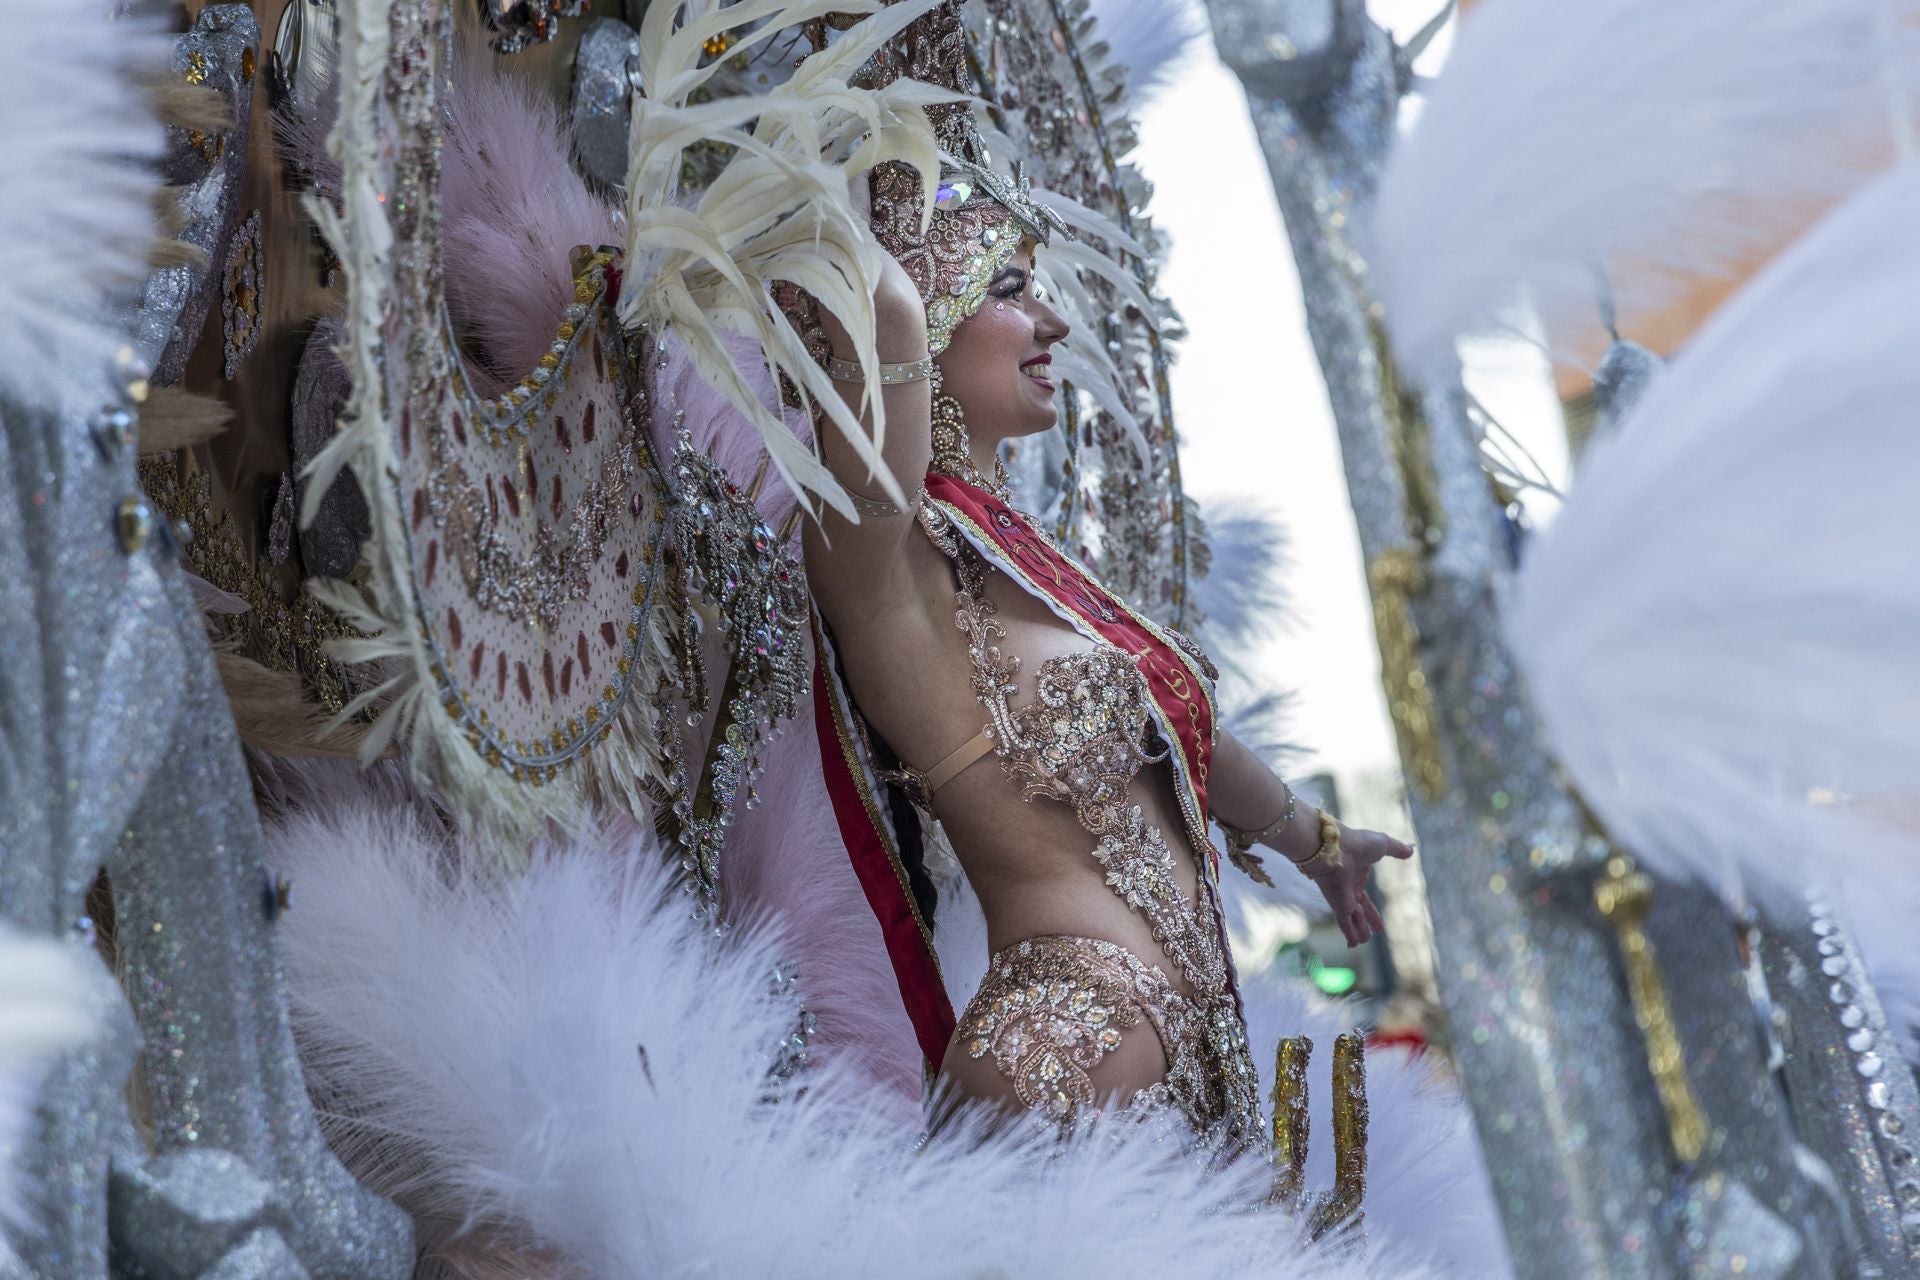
1555	1067
90	676
118	751
115	726
195	912
1852	1097
603	99
206	171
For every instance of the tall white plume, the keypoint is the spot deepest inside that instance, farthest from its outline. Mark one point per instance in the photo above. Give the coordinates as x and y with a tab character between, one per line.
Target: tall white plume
77	198
780	211
44	1003
571	1066
1242	603
1640	138
1718	628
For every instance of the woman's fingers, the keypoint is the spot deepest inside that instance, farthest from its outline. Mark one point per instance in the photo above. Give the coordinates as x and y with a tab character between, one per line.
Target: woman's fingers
1372	913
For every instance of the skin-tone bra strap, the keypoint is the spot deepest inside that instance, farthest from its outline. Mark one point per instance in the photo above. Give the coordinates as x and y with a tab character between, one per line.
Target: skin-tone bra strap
950	768
921	786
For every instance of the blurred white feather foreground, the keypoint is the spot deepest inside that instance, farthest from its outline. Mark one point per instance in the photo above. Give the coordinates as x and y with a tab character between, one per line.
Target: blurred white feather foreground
76	199
44	999
1642	137
570	1064
1718	629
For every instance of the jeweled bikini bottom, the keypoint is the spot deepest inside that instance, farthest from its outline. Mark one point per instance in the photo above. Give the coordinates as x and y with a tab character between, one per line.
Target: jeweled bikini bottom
1051	1008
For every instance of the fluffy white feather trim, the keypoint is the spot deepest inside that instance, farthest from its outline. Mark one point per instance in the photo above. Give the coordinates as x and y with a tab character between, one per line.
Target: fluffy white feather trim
76	204
570	1063
1718	628
1650	140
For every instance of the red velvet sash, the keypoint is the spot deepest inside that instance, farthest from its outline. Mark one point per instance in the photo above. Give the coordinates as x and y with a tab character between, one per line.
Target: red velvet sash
867	831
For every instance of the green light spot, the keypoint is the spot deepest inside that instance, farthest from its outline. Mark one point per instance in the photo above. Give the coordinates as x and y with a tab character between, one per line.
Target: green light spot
1334	980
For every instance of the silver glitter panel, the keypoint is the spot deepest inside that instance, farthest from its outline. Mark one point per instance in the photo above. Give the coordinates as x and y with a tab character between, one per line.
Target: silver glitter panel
603	99
1852	1096
79	618
80	1121
89	675
263	1253
207	171
179	1213
112	721
1554	1064
195	936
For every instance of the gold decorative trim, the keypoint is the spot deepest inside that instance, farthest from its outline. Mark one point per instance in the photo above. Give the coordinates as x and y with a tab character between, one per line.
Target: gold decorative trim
280	634
1624	895
1292	1123
1395	576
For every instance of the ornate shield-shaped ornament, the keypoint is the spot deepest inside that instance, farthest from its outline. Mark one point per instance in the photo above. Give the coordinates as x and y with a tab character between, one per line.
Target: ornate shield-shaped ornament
516	537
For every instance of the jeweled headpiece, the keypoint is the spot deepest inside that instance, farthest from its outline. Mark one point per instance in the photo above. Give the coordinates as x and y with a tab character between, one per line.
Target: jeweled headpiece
980	217
979	222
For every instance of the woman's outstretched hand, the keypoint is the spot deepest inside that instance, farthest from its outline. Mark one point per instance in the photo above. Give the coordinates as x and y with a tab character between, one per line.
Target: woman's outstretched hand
1343	882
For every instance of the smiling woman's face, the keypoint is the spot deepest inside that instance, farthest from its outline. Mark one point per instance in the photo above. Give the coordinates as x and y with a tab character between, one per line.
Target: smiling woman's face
998	365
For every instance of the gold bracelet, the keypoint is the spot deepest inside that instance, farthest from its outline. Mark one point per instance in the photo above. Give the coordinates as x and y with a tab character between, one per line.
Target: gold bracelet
1244	839
1329	846
880	508
889	374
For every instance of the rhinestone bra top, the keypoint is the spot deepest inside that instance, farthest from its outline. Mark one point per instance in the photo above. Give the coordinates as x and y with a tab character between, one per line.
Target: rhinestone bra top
1081	741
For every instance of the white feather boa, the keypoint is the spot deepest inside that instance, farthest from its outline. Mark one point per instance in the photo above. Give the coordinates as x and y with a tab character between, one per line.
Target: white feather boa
1718	629
569	1064
1643	138
76	202
44	1003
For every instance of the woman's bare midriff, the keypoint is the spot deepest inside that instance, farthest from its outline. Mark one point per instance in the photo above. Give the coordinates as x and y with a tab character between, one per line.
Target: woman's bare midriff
1031	864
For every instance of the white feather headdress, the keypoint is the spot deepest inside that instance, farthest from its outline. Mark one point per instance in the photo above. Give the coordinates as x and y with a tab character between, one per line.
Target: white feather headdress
1641	140
779	212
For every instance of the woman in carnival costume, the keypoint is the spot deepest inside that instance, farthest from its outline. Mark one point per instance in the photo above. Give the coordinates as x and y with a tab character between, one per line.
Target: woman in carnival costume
1110	979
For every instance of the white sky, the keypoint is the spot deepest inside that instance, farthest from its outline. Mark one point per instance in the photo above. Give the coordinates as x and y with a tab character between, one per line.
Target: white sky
1253	410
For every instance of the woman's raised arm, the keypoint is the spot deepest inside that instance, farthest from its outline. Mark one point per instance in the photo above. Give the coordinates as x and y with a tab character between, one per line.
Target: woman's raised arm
845	560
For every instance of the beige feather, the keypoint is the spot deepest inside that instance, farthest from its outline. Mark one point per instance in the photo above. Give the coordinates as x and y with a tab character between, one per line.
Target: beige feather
779	210
187	106
175	418
273	713
163	253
